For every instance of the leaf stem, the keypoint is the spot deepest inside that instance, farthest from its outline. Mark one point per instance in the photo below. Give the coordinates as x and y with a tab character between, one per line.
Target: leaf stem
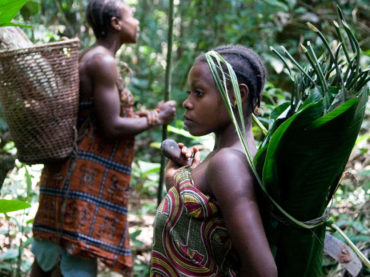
297	64
356	49
315	64
333	60
337	29
283	60
259	124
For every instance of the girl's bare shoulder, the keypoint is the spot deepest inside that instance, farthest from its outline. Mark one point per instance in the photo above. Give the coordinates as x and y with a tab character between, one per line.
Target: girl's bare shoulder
229	176
228	155
229	162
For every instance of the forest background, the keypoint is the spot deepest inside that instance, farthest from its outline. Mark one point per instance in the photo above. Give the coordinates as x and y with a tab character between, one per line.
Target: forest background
199	25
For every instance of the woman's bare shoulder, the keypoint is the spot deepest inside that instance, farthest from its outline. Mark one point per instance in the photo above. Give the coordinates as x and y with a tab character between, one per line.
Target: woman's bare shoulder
97	60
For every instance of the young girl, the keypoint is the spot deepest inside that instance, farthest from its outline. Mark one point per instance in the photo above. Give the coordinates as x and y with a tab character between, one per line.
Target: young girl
209	223
82	214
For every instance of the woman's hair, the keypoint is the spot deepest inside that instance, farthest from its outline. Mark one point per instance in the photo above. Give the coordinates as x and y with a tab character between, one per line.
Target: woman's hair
248	68
99	14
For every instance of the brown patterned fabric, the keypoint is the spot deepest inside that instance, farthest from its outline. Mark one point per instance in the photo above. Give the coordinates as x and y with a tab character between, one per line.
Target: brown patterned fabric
84	199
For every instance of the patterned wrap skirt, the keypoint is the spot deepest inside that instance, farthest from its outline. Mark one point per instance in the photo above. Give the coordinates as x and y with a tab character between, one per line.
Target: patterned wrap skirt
84	199
190	237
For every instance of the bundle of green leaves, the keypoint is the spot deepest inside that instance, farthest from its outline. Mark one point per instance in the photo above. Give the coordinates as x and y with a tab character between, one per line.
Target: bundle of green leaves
301	160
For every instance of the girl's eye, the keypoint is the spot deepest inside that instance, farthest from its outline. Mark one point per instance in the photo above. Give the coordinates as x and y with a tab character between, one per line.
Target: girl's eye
198	93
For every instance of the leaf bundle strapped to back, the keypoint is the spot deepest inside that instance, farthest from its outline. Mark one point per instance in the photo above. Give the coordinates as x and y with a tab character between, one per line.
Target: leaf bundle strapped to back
302	158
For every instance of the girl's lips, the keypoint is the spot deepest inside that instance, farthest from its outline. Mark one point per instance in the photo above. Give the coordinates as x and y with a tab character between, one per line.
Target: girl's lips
187	120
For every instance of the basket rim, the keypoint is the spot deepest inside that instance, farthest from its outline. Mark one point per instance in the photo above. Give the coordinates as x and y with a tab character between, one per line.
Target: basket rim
38	46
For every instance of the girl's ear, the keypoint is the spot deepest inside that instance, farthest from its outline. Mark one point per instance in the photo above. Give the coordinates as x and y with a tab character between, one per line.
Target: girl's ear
115	23
244	92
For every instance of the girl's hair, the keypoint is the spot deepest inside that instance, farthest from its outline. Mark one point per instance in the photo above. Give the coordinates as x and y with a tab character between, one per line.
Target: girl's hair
99	14
248	68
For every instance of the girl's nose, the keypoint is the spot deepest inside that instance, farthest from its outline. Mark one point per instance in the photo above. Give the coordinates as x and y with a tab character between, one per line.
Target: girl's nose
187	104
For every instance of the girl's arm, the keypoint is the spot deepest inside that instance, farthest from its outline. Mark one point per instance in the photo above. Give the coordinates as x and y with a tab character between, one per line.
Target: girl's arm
232	184
103	73
175	163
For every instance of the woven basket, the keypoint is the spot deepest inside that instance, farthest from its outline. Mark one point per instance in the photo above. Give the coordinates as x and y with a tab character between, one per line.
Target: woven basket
39	96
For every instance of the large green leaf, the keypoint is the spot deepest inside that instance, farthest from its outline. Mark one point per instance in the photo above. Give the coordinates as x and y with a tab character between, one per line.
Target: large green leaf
9	9
7	206
297	122
299	251
303	163
308	153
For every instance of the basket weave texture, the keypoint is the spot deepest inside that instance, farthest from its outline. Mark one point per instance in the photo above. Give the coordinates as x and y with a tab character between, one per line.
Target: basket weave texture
39	89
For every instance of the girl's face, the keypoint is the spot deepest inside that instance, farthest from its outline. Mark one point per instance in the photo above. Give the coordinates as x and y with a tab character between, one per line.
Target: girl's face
205	110
129	24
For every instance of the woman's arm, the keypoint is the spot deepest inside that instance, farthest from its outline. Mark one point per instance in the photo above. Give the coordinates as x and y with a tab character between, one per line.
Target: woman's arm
232	184
103	72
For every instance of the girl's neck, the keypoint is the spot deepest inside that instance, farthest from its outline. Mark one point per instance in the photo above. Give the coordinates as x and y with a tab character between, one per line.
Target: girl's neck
229	138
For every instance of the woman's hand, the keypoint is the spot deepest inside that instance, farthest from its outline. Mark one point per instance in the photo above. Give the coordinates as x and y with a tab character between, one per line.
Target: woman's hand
167	112
152	116
191	157
162	115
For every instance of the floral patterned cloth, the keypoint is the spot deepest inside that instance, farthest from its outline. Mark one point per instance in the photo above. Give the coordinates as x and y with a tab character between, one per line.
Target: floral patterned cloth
190	237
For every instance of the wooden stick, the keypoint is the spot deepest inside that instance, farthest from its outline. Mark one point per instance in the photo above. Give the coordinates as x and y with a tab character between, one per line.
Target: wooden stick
166	95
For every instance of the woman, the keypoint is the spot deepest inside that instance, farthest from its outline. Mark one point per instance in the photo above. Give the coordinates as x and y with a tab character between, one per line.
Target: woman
209	223
82	214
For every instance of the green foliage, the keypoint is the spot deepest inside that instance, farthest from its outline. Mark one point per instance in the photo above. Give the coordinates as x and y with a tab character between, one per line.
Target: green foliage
19	217
7	206
145	177
29	9
8	10
199	25
299	169
302	172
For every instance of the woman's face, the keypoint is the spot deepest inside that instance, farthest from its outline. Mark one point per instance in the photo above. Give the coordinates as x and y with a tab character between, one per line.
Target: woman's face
129	24
205	110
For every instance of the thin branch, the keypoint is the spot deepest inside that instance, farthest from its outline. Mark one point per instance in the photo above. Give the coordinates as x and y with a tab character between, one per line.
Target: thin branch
166	95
